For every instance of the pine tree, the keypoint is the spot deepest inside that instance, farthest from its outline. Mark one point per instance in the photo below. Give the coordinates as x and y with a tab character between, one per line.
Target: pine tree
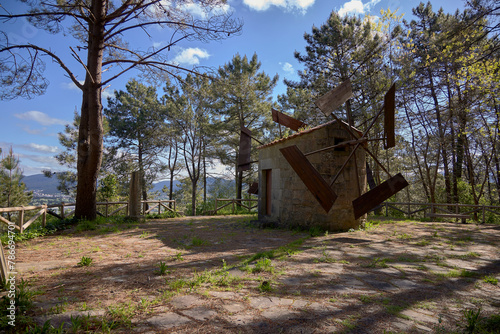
243	99
12	190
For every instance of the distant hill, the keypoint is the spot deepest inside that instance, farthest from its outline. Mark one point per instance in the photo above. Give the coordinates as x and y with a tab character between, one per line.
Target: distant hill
47	185
159	185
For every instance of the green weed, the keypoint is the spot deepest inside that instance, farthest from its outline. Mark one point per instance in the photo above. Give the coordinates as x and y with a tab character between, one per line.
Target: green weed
490	279
85	261
198	241
471	319
265	286
163	268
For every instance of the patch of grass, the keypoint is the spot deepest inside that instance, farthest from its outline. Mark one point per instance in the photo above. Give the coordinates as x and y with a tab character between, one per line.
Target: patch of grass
87	225
423	243
396	310
85	261
366	299
23	302
265	286
36	230
316	231
196	241
378	263
144	235
471	319
404	236
163	215
178	257
408	258
163	268
263	265
490	279
454	273
122	313
466	256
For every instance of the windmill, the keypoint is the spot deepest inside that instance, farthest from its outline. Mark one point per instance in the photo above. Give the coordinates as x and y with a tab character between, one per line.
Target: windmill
321	188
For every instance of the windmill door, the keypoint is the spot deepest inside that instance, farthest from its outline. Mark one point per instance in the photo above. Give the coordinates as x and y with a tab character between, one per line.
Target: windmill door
268	191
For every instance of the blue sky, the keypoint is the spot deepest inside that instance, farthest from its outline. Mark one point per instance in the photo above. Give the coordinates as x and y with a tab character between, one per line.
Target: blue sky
273	29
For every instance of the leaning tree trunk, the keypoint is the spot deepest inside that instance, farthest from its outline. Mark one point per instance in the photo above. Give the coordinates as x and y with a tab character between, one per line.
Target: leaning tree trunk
90	136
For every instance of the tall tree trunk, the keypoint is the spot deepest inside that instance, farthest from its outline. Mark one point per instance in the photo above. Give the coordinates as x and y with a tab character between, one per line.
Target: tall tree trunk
193	197
204	174
90	135
143	175
441	132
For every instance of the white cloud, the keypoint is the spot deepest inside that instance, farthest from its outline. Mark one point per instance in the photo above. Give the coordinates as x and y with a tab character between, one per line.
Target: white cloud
40	148
190	56
357	7
71	85
287	67
41	118
31	131
287	4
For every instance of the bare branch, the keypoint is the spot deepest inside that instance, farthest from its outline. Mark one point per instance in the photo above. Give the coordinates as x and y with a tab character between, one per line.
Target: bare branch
49	53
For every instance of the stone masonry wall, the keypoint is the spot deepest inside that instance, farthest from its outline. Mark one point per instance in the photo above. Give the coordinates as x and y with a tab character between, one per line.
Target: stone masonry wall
292	203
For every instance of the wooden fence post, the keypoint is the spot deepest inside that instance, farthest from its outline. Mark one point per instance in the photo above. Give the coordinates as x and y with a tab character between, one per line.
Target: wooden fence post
215	206
21	221
62	210
44	215
106	209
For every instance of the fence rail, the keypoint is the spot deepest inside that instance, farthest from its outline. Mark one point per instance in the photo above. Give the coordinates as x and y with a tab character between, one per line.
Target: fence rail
63	212
234	203
411	210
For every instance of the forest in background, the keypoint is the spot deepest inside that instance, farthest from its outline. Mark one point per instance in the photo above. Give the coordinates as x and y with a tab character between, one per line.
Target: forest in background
446	69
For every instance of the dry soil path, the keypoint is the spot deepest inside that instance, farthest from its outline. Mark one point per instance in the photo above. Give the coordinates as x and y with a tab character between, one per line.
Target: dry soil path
403	277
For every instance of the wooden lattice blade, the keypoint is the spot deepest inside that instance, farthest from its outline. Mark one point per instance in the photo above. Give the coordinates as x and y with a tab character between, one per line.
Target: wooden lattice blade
389	109
313	180
244	157
335	98
286	120
377	195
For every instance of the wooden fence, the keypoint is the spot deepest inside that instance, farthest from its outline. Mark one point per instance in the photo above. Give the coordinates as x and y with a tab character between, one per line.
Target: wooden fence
110	209
234	203
421	210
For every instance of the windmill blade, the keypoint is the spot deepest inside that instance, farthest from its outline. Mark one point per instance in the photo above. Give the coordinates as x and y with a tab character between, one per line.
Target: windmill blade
335	98
286	120
377	195
313	180
389	109
244	158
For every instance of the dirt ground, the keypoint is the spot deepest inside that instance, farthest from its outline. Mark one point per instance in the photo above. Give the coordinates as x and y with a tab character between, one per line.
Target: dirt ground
225	275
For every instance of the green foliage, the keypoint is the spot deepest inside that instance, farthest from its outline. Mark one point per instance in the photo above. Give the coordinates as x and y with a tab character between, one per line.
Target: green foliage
85	261
36	230
265	286
12	190
163	268
137	125
108	189
471	318
23	300
490	279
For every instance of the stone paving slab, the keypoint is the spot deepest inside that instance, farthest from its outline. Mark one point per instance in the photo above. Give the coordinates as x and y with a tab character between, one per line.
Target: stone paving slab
167	320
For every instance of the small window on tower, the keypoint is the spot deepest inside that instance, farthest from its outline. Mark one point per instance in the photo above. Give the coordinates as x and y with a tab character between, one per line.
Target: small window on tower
340	148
